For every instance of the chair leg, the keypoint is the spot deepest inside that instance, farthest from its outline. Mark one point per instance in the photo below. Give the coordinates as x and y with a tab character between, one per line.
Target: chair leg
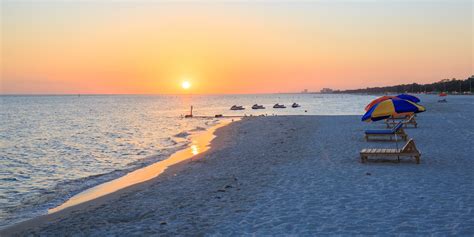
417	159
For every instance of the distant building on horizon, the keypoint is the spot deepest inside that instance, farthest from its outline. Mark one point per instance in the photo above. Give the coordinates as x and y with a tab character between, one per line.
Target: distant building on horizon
326	91
305	91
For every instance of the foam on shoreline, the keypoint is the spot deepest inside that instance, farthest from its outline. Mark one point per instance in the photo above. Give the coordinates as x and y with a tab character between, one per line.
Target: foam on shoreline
200	142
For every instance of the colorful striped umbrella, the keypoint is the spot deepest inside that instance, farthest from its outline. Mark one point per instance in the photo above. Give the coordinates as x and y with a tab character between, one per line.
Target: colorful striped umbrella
409	97
391	107
378	100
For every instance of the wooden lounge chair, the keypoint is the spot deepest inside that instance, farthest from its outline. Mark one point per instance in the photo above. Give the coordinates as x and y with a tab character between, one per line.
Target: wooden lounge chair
396	131
399	117
408	150
410	121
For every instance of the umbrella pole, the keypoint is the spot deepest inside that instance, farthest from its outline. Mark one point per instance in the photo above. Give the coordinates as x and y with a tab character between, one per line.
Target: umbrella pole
396	145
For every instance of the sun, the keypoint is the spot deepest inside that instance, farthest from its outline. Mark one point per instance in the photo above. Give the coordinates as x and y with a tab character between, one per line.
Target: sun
186	85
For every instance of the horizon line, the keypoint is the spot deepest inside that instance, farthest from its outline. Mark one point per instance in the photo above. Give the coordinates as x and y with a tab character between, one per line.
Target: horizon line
262	93
146	94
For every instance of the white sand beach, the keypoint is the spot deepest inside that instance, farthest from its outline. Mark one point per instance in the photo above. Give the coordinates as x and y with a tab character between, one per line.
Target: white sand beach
296	175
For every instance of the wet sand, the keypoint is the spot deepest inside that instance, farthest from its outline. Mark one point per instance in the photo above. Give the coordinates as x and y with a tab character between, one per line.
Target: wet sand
296	175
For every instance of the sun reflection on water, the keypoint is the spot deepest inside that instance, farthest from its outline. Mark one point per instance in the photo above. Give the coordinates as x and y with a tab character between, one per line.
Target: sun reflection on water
200	143
194	149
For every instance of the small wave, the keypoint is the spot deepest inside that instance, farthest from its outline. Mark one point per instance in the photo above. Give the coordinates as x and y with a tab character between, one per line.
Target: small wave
211	122
168	142
197	129
182	134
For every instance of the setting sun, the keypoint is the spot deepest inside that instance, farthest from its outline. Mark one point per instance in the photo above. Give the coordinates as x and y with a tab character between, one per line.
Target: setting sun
186	85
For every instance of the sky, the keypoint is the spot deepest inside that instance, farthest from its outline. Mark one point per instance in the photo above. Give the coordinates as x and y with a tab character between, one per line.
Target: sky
151	47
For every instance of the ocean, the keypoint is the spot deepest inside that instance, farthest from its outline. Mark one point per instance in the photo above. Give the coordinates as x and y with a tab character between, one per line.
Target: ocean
53	147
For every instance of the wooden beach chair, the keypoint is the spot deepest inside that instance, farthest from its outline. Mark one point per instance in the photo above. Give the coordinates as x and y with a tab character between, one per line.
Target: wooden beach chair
399	117
409	150
410	121
380	134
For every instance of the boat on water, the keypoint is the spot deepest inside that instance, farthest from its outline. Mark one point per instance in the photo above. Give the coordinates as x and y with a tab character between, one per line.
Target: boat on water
279	106
295	105
237	107
257	106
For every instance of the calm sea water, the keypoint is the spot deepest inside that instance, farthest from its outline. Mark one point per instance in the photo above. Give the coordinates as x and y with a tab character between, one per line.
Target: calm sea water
52	147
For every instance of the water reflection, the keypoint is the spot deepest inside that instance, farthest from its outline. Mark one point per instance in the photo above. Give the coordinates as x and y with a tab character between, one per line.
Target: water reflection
194	149
200	143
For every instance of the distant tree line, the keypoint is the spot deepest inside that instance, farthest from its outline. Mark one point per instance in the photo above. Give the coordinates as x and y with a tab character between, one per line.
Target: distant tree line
446	85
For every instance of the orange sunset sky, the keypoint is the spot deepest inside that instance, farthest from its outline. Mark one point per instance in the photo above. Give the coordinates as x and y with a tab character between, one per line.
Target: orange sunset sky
100	46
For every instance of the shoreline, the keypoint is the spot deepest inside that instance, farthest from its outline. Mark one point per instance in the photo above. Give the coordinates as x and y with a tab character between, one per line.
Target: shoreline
200	143
296	175
109	190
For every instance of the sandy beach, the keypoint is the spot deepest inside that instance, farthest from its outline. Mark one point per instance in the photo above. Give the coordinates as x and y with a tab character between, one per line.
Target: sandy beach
296	175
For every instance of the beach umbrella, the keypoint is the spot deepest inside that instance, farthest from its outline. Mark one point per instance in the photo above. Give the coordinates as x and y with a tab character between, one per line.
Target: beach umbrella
409	97
378	100
391	107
